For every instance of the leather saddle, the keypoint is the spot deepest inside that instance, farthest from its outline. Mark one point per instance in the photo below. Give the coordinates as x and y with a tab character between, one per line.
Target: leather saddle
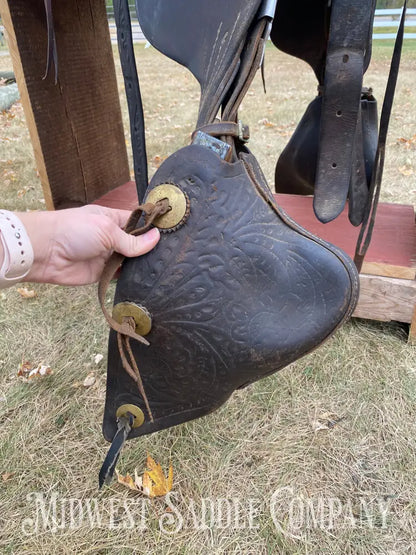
332	152
235	290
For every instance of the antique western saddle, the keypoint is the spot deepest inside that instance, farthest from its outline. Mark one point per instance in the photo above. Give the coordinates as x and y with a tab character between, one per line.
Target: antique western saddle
237	290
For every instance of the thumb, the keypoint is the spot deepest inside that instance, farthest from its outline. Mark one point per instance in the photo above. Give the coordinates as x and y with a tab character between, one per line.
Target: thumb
129	245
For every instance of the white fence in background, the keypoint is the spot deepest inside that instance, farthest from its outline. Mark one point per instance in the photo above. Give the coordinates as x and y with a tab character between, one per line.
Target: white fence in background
383	18
137	32
391	18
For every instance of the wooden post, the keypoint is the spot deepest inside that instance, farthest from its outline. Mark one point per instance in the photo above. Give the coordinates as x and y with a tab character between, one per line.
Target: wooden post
76	125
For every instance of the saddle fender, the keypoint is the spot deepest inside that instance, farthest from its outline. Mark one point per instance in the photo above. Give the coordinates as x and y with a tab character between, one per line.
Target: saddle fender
236	293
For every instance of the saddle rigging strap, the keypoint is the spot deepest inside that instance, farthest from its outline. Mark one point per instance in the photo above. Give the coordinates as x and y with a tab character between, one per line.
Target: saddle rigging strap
358	149
350	28
134	99
367	227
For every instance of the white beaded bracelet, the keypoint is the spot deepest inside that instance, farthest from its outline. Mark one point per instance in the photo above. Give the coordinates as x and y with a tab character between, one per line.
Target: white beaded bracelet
18	251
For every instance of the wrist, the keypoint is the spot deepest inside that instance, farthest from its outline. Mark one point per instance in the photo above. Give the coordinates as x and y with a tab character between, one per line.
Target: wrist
16	251
40	228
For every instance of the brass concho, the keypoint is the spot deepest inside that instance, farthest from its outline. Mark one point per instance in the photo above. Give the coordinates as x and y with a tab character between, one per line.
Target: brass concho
178	202
140	315
136	412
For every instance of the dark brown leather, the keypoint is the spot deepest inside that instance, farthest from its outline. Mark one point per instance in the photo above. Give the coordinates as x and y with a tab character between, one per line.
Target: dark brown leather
301	29
134	99
366	230
240	290
202	36
337	45
237	293
296	168
366	142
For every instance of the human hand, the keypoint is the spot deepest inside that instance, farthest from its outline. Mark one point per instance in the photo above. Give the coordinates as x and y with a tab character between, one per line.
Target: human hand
71	246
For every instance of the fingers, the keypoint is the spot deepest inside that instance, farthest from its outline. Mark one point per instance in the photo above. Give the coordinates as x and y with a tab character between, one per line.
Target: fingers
128	245
117	215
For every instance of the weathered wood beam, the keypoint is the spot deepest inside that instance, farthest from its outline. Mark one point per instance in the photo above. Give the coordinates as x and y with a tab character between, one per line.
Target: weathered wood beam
386	299
75	126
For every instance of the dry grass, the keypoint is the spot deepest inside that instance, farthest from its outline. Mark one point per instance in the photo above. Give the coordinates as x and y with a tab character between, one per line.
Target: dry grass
263	439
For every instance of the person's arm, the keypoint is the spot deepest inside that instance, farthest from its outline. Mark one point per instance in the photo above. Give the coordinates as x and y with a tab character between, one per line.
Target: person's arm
71	246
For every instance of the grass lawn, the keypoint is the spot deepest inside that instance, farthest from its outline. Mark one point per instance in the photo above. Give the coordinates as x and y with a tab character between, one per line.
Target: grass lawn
317	459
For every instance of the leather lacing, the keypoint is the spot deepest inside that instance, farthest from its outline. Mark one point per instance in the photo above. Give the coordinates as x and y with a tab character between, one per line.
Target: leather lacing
127	329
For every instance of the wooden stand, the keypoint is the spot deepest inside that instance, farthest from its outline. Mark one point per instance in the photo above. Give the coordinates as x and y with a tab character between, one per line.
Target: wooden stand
78	139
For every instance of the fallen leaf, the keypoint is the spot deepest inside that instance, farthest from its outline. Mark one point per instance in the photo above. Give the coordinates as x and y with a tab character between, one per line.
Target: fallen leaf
127	481
406	170
147	485
7	476
21	192
155	479
98	358
89	380
153	483
28	371
157	160
40	371
266	123
407	143
26	293
325	421
24	368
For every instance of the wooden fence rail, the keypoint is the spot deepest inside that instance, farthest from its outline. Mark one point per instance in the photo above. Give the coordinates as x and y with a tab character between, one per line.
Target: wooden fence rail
391	18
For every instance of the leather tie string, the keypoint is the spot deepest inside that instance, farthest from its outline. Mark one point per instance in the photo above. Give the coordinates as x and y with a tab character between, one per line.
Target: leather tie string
367	227
52	50
126	330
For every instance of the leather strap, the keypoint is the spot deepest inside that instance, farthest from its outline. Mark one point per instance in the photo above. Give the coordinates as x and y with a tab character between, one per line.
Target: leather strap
251	58
152	211
366	231
358	188
126	330
351	24
107	470
134	100
52	50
